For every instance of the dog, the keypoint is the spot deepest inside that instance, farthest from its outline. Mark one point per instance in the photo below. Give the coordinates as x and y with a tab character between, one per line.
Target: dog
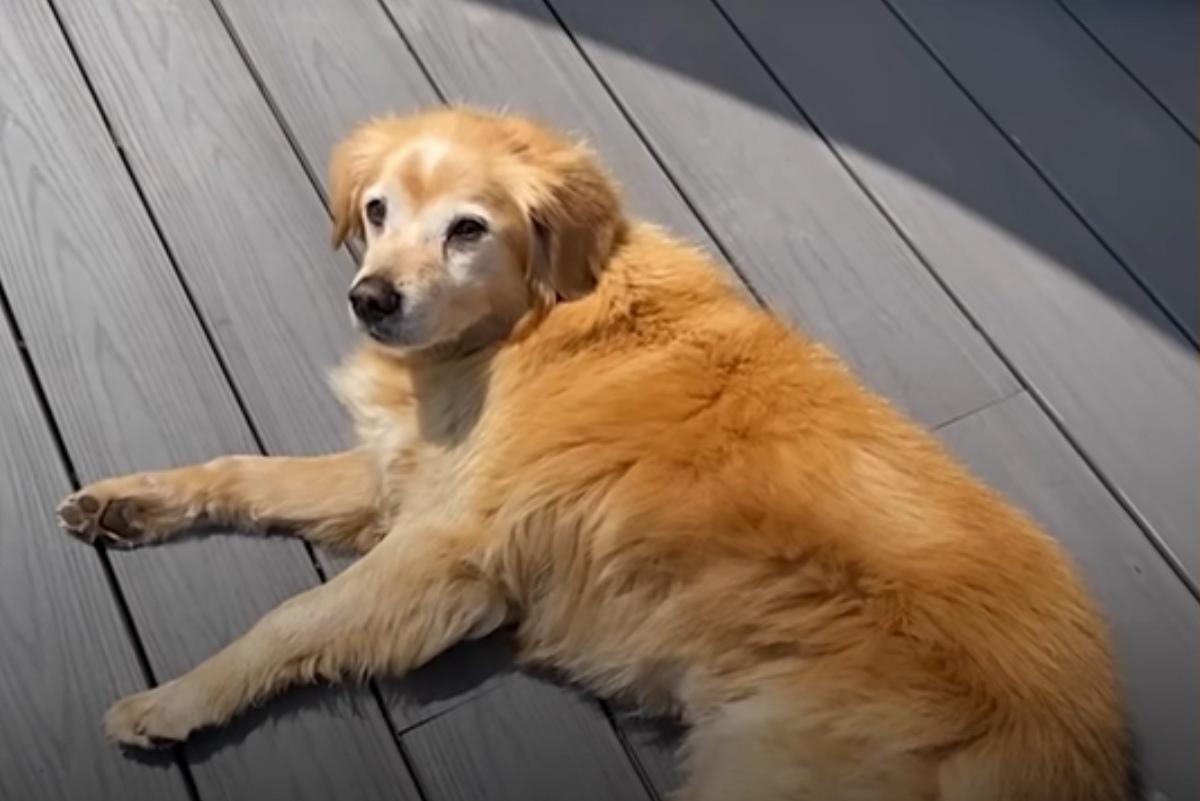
574	424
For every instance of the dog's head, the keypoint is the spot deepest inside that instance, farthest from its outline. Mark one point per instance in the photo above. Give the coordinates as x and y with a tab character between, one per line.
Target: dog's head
473	223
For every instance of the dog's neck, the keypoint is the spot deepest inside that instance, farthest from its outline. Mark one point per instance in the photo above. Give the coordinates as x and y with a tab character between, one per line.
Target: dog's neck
450	391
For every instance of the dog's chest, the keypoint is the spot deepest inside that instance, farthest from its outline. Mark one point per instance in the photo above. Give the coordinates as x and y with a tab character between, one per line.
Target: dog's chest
421	464
422	482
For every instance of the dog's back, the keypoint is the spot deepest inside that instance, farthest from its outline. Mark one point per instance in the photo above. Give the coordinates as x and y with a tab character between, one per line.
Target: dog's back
710	508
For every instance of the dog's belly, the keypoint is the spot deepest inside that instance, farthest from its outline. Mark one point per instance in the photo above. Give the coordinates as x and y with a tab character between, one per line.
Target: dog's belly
616	643
653	685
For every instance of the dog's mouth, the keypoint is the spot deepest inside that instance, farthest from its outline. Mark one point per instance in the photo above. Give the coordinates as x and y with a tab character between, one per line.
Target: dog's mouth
384	335
483	334
377	333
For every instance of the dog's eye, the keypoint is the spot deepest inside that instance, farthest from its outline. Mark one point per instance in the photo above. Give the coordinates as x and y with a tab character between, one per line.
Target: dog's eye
376	211
466	230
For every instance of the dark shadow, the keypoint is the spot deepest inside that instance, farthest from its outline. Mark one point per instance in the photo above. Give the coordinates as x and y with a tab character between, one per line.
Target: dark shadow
454	678
335	701
162	759
458	675
653	743
708	48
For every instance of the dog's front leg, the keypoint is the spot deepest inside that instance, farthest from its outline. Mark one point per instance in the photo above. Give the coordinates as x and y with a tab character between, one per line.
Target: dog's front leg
410	598
328	500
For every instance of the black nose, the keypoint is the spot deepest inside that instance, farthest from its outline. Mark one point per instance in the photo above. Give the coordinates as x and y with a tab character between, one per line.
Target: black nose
373	299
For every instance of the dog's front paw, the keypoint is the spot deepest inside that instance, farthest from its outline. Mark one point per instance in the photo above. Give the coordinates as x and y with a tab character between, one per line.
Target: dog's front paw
156	718
122	512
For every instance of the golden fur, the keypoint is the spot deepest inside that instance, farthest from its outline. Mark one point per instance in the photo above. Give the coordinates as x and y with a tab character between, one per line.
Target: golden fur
671	494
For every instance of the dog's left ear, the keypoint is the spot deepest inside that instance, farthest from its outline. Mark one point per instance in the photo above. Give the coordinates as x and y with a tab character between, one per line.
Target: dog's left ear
354	161
575	217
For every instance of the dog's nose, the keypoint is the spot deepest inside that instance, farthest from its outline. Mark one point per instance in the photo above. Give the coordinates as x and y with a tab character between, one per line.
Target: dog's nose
373	298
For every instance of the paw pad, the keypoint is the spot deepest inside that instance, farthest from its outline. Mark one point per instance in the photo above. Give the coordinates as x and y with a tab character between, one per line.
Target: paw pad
84	516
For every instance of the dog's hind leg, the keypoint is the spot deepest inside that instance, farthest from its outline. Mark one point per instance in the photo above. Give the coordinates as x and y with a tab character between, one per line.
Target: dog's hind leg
328	500
407	600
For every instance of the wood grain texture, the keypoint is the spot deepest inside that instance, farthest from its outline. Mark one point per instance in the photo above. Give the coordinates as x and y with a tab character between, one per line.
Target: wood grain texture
133	384
66	651
1156	40
1060	308
512	54
1154	620
121	355
810	241
521	742
1107	146
249	233
323	85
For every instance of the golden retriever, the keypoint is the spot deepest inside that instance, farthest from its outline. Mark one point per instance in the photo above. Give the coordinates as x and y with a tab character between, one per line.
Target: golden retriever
573	423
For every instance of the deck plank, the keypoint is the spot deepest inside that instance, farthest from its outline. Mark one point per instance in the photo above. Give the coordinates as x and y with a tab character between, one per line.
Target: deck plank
248	231
133	384
1125	164
58	614
1154	620
1061	309
782	205
1156	40
323	85
511	745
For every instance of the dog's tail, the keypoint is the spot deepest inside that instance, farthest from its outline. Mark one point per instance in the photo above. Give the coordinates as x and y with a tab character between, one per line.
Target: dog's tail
1041	758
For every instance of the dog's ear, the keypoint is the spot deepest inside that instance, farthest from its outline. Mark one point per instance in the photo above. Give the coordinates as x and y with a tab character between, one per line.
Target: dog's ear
354	161
575	218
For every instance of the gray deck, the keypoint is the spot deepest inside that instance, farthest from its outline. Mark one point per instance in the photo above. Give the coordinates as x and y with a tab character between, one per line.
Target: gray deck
989	208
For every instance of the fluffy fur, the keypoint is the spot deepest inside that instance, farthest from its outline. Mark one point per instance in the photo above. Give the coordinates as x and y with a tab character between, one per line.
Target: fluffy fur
671	494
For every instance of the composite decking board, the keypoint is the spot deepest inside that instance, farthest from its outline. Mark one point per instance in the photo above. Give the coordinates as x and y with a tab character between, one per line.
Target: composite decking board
120	354
124	365
1154	621
512	54
133	384
247	229
323	85
1156	40
1113	152
521	742
807	237
1063	312
66	652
